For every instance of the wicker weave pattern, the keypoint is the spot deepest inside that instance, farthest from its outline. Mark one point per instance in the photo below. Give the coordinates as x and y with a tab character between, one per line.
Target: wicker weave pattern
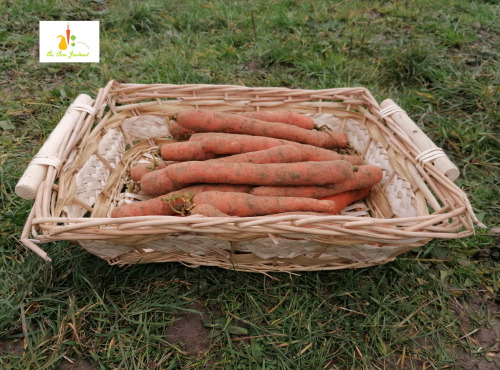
401	197
394	218
93	176
145	127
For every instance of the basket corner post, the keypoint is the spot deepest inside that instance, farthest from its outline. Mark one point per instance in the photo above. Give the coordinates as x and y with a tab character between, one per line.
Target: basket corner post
35	248
28	243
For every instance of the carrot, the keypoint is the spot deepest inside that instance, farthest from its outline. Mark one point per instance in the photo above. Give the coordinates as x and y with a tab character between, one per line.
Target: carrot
207	210
244	205
363	177
151	207
177	131
157	183
207	121
342	200
172	203
185	151
278	154
300	173
283	116
193	151
237	143
137	171
213	172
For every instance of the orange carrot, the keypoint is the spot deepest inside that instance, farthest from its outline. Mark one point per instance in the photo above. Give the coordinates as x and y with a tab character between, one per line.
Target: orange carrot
363	177
277	174
157	183
138	170
283	116
236	143
282	154
342	200
171	203
277	154
300	173
193	151
210	203
208	121
243	205
177	131
185	151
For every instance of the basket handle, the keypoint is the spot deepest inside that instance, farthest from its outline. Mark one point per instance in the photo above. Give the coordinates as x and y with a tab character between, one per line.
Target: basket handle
48	154
429	152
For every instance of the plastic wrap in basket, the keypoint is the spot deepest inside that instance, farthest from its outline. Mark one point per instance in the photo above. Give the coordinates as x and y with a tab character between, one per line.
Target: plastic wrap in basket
82	173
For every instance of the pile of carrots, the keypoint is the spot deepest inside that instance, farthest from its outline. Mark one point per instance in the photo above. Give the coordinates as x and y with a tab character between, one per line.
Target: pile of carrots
250	164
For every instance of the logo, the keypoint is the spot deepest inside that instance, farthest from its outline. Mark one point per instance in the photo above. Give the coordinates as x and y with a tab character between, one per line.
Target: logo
69	42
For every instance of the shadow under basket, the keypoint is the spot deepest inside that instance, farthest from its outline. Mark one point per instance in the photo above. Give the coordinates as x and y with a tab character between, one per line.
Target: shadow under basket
82	173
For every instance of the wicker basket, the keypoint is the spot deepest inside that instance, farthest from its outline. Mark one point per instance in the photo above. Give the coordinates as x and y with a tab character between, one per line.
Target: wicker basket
79	183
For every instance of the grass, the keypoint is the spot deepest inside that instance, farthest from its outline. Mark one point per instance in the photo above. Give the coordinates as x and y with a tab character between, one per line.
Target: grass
433	307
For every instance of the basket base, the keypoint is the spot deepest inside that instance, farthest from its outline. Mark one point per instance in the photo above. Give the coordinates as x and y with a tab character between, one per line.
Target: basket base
261	255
